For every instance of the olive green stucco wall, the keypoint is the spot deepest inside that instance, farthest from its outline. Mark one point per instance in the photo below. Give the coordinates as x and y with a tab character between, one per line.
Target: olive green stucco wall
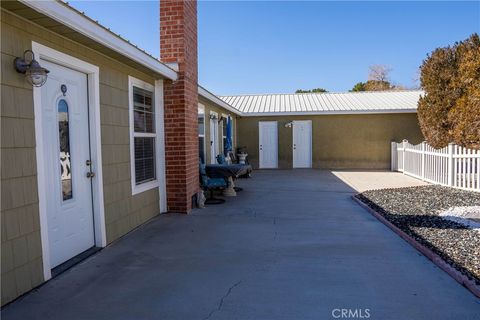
338	141
21	245
209	106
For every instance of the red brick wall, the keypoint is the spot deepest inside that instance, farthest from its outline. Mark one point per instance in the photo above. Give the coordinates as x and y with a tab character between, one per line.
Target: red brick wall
178	43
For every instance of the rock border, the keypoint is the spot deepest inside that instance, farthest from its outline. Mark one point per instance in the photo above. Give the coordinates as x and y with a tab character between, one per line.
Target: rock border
435	258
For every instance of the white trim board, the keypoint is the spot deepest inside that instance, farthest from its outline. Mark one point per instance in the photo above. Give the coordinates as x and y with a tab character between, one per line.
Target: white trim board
201	110
213	137
325	113
93	75
160	127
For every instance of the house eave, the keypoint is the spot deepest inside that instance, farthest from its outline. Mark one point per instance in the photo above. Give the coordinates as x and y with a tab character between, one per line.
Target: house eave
216	100
69	17
320	113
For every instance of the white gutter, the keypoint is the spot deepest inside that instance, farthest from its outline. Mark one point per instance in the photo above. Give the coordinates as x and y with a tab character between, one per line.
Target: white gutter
213	98
319	113
82	24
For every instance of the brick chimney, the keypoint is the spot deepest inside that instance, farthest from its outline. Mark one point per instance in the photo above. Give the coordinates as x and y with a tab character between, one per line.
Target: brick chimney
178	44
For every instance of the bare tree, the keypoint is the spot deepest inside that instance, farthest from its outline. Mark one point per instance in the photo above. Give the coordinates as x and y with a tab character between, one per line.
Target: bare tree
378	80
379	72
416	80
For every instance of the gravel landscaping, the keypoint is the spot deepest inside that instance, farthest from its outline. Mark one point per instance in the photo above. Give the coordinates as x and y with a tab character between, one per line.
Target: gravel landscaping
435	217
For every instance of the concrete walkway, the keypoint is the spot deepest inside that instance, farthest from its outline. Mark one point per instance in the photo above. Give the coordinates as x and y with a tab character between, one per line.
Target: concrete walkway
292	245
370	180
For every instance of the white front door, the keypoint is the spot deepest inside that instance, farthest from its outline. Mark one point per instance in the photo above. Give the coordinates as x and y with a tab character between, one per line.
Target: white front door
302	144
214	148
67	155
268	144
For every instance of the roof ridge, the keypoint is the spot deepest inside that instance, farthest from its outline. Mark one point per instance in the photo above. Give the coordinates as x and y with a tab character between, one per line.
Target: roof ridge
320	93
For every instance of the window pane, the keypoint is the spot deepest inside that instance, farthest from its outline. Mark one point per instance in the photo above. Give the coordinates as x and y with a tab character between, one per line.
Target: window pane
64	137
143	111
139	121
144	159
201	124
149	123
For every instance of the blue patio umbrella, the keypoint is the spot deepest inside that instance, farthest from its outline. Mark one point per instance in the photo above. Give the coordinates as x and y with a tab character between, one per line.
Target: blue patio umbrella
229	141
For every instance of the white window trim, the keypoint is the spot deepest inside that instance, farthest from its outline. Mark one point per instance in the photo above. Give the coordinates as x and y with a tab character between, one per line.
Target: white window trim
160	127
214	144
202	107
93	74
158	105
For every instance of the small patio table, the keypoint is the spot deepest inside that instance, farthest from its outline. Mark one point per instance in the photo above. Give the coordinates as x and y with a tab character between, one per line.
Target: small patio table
228	171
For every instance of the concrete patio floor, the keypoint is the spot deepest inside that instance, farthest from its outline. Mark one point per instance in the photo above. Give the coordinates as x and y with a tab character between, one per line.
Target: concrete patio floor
363	180
292	245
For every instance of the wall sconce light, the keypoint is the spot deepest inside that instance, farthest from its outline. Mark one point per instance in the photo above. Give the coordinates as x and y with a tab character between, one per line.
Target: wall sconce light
288	124
35	74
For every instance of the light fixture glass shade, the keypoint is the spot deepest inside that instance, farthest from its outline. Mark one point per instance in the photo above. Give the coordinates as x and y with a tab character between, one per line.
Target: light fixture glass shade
36	78
35	74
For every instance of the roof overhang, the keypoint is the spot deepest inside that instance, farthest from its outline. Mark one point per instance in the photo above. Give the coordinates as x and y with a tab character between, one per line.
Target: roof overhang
80	23
321	113
216	100
202	92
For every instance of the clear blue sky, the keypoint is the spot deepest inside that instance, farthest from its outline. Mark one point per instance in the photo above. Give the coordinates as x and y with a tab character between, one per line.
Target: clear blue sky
278	47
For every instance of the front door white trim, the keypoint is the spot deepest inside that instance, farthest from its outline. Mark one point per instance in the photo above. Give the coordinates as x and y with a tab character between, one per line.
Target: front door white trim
93	74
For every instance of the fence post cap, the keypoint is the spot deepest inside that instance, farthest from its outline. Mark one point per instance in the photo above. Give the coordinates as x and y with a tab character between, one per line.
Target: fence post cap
405	140
451	144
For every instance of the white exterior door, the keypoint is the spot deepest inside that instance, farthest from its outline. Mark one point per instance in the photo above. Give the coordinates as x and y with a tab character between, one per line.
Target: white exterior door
268	144
214	147
66	152
302	144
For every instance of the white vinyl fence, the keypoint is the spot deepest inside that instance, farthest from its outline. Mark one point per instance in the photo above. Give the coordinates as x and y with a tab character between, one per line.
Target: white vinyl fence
452	166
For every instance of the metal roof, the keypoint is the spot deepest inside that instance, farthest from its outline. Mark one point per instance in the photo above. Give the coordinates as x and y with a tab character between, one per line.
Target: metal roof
325	103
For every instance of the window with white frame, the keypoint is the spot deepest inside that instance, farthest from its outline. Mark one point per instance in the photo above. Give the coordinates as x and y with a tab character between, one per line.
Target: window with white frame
143	135
201	132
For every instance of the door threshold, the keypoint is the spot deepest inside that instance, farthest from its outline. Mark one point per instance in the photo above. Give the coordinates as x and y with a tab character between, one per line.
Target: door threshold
73	261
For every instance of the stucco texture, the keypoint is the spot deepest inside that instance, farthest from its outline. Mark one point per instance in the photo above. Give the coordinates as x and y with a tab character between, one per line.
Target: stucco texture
360	141
21	244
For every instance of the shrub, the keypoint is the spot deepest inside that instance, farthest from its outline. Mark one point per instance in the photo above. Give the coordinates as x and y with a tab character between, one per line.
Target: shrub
450	109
